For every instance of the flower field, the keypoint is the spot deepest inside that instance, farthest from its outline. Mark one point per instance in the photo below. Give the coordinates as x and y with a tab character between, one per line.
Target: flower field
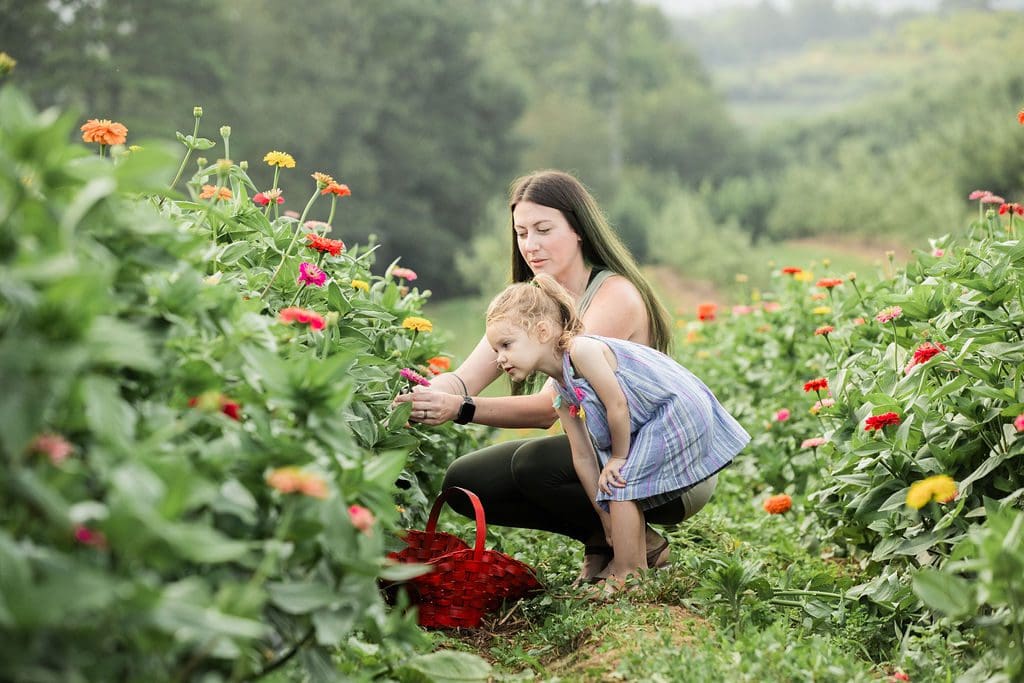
202	470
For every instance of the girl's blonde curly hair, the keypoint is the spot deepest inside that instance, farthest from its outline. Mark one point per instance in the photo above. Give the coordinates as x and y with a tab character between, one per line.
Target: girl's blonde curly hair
527	303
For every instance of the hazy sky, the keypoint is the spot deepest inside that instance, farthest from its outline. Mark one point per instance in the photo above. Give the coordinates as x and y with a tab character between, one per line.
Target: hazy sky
688	7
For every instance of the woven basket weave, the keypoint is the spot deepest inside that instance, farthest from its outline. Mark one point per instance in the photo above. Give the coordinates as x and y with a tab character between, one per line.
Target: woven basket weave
464	583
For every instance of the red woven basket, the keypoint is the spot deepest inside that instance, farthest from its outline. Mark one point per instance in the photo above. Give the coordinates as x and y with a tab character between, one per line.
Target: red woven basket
465	583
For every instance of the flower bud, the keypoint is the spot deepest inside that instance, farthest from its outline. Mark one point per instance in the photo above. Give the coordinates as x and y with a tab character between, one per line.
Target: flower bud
224	165
244	165
201	162
331	319
197	112
7	63
225	131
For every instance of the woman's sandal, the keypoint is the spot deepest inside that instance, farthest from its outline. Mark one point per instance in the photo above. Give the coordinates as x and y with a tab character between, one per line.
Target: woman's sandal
603	551
655	553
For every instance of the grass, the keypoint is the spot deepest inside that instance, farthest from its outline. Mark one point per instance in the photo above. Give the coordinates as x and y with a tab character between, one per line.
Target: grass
718	612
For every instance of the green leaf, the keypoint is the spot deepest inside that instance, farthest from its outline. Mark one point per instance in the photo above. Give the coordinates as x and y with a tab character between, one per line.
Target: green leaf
399	416
385	468
118	344
944	592
108	415
404	571
445	665
301	597
332	626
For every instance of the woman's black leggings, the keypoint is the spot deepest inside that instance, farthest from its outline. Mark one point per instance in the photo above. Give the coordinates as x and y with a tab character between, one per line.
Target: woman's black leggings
531	484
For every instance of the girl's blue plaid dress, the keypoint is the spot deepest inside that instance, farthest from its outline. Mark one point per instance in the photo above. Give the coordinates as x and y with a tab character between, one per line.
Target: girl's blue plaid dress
680	434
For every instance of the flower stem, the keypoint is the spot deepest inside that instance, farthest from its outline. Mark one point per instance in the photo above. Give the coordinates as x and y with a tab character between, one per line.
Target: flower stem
188	153
330	216
295	236
895	350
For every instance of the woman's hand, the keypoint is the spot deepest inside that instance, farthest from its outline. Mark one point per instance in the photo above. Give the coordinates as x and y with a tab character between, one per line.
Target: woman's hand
431	407
611	475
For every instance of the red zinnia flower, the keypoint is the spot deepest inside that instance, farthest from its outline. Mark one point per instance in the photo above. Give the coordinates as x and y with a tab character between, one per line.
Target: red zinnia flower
1020	117
825	330
791	270
294	314
830	282
877	422
334	247
707	311
776	505
1011	208
214	400
924	353
819	384
53	446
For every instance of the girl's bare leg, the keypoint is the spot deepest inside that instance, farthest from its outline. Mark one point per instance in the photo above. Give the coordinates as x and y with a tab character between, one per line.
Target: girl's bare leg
628	539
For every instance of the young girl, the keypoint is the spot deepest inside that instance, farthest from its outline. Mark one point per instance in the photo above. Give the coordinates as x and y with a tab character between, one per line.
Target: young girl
643	429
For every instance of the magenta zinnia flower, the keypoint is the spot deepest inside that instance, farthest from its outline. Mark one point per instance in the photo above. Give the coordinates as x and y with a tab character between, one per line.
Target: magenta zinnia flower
309	274
414	377
1018	422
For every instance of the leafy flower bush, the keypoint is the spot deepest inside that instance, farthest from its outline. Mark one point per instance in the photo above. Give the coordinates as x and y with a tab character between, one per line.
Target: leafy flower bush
199	454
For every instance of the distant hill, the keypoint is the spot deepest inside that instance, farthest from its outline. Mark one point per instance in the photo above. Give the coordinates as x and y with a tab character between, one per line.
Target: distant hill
765	85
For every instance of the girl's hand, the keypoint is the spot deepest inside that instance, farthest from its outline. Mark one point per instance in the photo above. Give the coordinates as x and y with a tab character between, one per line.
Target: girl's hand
431	407
611	475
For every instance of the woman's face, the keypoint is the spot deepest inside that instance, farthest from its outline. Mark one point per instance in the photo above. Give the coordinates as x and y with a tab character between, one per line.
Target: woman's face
545	239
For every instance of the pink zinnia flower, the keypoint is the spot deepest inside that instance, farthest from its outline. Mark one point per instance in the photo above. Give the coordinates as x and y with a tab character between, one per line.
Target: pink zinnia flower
742	310
87	536
404	273
814	442
1018	422
978	194
309	274
772	306
889	314
823	403
265	198
294	314
782	415
414	377
318	226
361	518
939	253
213	401
992	199
53	446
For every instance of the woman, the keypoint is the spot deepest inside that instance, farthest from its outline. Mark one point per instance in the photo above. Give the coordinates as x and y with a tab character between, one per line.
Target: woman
558	229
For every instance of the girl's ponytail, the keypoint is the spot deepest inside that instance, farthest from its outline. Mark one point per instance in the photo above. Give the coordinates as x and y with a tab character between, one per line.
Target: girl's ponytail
565	306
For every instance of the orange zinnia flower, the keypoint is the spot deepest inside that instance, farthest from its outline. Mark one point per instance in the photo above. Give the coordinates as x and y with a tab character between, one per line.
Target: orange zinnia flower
791	270
294	480
339	189
439	364
104	132
776	505
214	192
829	282
333	247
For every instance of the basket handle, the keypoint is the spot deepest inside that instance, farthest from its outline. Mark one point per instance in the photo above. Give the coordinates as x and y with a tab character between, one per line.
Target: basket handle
478	510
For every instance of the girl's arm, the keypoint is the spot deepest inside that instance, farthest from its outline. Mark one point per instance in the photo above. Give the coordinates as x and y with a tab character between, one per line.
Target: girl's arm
596	362
442	400
584	461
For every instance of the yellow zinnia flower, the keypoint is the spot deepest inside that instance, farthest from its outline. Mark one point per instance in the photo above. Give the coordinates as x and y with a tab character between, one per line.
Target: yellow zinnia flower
361	285
803	276
417	324
280	159
821	310
940	488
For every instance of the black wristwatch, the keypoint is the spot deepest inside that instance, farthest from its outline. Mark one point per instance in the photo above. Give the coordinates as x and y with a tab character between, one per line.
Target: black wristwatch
466	411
